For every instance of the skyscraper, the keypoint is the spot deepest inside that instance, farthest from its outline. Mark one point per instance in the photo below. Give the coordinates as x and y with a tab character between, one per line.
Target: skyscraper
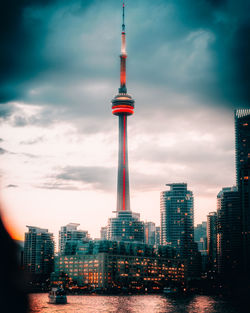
126	225
104	233
157	235
177	217
242	145
69	235
38	252
150	229
212	243
200	236
228	233
177	224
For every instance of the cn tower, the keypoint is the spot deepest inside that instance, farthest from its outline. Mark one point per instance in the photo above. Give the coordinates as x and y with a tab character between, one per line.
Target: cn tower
126	226
123	106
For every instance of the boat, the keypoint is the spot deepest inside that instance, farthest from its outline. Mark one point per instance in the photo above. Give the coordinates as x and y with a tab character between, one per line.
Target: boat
57	295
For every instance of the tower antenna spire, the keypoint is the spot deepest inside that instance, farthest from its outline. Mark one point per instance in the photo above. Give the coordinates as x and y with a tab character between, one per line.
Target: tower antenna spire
123	54
123	16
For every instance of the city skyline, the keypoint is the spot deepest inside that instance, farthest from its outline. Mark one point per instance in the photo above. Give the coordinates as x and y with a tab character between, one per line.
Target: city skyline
54	127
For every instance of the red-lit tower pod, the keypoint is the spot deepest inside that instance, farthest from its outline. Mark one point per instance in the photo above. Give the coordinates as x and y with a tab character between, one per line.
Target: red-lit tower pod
123	106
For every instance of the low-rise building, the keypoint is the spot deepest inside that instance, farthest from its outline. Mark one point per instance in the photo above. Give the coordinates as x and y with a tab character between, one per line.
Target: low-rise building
109	265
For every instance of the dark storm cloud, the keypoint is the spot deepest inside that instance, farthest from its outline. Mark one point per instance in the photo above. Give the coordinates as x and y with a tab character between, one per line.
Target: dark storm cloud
97	177
12	186
18	46
197	47
64	54
23	31
3	151
6	109
203	173
101	178
21	120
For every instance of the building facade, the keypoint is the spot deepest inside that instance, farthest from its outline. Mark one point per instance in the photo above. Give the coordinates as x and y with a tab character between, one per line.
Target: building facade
212	244
242	145
150	233
104	233
111	265
157	235
177	225
228	234
200	236
69	235
177	217
38	252
126	226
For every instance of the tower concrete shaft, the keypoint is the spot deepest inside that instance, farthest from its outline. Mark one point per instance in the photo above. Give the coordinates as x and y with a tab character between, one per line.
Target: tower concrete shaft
123	198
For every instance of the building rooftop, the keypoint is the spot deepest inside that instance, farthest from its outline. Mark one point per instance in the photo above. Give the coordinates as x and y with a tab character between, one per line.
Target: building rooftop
242	112
37	229
177	186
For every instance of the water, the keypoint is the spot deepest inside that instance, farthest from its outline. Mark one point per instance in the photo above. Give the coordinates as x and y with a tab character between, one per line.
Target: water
135	304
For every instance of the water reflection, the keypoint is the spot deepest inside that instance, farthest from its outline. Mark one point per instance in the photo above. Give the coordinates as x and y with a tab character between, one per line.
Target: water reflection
133	304
201	304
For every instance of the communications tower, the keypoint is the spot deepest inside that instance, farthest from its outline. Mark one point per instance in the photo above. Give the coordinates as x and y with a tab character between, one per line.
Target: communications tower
126	226
123	106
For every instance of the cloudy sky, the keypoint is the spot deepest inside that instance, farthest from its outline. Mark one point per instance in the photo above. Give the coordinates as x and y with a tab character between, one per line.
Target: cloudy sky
188	69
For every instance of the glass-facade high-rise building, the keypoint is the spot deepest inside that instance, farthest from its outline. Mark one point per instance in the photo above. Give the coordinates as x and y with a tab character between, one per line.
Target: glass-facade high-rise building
242	145
212	243
157	235
200	236
228	234
177	217
150	233
177	225
38	252
69	236
126	226
104	233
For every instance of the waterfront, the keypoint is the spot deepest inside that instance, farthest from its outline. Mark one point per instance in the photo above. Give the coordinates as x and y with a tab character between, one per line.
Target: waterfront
135	304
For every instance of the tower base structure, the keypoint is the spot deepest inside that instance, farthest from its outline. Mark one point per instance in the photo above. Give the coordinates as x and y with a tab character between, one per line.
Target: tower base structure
126	226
